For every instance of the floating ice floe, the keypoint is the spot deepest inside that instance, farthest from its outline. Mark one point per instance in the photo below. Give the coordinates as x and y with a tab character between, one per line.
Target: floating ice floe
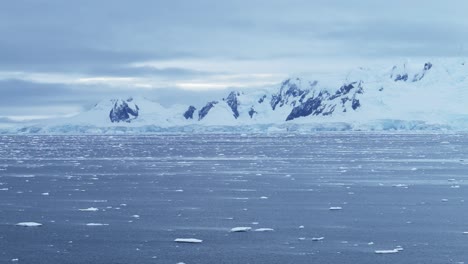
465	233
301	227
45	194
96	224
264	230
317	238
29	224
90	209
386	251
444	200
241	229
400	185
4	189
135	216
335	208
188	240
389	251
264	197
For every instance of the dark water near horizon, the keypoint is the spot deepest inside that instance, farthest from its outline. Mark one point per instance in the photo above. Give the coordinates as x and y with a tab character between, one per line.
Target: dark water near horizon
395	190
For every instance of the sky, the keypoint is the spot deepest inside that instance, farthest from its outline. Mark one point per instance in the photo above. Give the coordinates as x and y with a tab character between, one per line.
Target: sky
58	58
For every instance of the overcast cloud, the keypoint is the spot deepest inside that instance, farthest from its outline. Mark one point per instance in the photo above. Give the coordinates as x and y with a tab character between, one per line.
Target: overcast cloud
58	57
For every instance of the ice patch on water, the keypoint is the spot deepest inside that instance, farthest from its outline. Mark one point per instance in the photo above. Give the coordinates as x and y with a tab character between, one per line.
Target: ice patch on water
264	230
241	229
188	240
386	251
400	185
28	224
90	209
389	251
96	224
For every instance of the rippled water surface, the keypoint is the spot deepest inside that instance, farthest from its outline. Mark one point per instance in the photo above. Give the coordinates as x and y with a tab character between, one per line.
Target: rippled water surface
404	193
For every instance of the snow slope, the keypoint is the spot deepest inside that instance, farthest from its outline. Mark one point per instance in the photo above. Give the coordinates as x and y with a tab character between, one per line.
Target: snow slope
406	96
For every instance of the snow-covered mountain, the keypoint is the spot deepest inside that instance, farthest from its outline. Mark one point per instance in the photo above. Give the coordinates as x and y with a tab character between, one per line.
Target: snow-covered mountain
430	95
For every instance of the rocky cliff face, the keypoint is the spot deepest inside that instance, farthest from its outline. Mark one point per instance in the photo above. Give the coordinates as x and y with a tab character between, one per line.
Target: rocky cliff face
123	111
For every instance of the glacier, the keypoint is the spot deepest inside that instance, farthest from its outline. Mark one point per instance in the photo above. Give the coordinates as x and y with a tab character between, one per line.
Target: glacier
406	96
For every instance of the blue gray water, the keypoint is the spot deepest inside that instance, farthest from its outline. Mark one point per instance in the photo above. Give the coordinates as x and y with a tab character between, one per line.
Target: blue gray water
395	190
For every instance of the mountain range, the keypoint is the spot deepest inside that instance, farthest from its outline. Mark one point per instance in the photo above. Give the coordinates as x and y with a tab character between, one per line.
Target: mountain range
425	96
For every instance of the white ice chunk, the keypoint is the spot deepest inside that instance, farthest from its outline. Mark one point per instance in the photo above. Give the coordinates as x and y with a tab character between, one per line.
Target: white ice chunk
317	238
386	251
29	224
389	251
335	208
241	229
264	229
90	209
188	240
96	224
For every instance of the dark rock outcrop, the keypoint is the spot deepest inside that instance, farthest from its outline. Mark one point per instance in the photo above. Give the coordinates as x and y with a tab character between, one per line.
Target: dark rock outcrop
289	93
252	112
262	99
123	112
419	76
401	74
313	106
325	104
204	111
233	103
401	77
189	113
